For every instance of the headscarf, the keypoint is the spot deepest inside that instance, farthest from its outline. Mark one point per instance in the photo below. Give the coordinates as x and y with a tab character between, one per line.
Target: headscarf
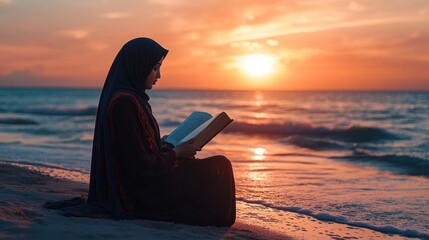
128	74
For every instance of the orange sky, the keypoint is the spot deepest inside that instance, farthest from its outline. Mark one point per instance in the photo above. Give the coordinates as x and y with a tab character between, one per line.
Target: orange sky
316	44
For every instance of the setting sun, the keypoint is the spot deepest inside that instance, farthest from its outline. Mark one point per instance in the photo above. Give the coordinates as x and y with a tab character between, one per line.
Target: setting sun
257	64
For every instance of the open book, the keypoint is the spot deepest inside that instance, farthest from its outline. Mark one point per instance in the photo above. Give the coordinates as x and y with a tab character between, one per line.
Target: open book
199	126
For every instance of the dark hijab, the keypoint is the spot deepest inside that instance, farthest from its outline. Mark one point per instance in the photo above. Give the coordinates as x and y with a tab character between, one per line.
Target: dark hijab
128	73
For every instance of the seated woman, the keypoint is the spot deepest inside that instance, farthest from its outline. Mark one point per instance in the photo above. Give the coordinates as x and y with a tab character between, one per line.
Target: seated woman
135	175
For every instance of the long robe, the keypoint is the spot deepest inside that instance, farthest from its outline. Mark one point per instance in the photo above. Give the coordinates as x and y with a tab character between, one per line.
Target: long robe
198	192
132	176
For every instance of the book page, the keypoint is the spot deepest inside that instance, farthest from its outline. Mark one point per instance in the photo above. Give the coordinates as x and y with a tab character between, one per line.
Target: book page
208	130
187	126
197	130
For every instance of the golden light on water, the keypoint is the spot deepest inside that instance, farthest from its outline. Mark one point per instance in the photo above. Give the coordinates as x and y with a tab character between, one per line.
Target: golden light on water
256	173
257	65
259	153
259	101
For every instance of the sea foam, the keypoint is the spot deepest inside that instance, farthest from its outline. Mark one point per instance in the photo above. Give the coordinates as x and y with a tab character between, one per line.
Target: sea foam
341	219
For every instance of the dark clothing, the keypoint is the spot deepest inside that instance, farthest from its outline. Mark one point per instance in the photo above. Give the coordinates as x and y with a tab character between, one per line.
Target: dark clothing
128	74
200	192
131	175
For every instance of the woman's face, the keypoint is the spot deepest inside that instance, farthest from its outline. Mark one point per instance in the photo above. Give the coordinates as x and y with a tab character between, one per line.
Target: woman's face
154	75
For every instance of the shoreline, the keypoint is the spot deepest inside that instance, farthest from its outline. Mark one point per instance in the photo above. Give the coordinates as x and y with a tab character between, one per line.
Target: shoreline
24	190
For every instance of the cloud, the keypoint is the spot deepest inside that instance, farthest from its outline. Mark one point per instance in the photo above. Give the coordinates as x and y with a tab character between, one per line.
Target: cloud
248	45
28	50
192	36
75	33
115	15
167	2
99	46
406	39
22	78
49	40
281	28
272	42
27	78
255	20
356	6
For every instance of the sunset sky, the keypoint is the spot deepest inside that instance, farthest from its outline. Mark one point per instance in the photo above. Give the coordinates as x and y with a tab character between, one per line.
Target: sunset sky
305	44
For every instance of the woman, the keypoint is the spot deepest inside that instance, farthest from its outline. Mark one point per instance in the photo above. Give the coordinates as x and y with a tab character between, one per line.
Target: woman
135	175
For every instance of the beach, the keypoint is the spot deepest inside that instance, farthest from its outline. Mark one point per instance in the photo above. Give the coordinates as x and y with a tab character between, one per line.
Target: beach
329	102
24	189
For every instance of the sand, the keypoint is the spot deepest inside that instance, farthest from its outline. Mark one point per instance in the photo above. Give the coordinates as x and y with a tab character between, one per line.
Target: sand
23	190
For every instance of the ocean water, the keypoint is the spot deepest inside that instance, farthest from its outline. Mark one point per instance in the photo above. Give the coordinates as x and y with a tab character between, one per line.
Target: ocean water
359	158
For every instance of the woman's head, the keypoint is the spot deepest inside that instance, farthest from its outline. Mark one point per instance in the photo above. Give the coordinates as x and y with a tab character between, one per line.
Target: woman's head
143	58
135	65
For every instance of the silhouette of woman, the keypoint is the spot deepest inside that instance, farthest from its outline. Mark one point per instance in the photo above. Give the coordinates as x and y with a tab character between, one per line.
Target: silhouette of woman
133	173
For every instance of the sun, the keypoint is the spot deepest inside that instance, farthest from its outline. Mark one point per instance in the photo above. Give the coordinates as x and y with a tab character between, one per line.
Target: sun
257	65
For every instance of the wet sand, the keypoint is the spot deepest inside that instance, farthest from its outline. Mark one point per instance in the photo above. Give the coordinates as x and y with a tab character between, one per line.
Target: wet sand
24	189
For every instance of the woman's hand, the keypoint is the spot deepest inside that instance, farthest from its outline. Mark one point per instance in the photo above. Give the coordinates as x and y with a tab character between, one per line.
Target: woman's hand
186	150
165	146
164	137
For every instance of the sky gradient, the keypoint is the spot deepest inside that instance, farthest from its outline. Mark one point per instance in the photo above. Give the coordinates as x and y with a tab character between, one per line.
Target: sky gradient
316	44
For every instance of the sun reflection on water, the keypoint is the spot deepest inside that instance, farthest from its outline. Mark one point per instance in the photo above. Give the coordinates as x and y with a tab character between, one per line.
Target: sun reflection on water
256	169
259	99
259	153
257	172
259	115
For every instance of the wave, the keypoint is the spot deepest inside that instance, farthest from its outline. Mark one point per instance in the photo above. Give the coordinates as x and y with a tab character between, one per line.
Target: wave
358	134
314	143
35	164
44	131
401	164
83	139
60	111
417	110
10	143
18	121
339	219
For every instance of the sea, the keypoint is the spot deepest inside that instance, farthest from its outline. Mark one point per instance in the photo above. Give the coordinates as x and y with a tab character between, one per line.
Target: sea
357	158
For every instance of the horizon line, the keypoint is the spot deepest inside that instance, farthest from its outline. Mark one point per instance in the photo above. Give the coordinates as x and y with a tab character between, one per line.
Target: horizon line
229	90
